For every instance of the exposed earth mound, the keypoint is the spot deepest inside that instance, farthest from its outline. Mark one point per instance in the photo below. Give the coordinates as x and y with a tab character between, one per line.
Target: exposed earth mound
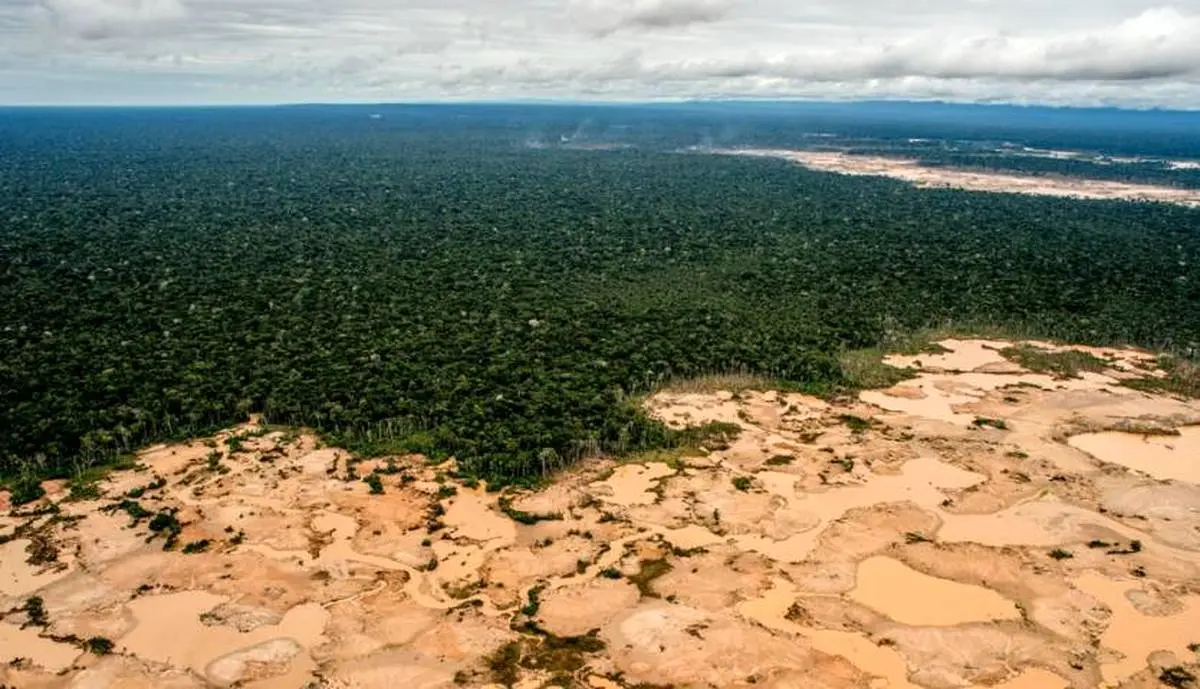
1007	517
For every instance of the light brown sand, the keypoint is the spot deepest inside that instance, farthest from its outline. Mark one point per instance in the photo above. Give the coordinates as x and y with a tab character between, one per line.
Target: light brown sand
897	556
973	180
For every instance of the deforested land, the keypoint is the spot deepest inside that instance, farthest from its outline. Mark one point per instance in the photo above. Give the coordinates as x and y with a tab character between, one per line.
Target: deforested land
534	396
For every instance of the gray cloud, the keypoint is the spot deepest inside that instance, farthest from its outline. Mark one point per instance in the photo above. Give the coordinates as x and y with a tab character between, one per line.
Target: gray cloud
1155	45
604	17
1130	52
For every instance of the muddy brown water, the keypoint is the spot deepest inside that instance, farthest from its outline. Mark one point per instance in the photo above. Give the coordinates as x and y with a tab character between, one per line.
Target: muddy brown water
1164	457
364	590
917	599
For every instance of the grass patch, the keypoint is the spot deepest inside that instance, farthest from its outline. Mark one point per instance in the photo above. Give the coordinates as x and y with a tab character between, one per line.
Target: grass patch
856	424
863	369
717	435
196	547
166	524
644	579
35	612
780	460
504	664
742	483
1065	364
522	517
1177	676
540	651
27	488
846	463
985	422
1060	554
1183	379
1135	546
133	508
716	382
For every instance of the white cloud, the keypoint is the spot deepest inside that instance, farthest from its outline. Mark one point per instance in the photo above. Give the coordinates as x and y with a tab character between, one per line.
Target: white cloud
99	19
1129	52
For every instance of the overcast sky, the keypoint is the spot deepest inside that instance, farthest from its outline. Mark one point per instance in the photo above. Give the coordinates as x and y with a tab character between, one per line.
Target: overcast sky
1122	52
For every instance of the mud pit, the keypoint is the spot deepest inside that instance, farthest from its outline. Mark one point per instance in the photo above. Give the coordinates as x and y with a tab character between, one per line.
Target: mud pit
974	180
1165	457
882	542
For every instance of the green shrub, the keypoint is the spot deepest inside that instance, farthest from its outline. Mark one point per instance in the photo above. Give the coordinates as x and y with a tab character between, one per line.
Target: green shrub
375	483
196	546
98	645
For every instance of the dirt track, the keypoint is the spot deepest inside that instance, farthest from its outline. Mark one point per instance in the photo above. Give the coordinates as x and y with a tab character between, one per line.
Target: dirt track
887	541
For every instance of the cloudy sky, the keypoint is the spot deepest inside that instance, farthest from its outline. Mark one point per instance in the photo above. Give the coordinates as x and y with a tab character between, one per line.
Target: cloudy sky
1123	52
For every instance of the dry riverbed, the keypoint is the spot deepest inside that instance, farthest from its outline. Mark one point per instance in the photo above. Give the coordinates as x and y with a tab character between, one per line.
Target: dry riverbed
978	525
974	180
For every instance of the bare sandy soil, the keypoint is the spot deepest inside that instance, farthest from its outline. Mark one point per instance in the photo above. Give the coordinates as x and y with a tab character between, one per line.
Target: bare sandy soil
941	177
885	541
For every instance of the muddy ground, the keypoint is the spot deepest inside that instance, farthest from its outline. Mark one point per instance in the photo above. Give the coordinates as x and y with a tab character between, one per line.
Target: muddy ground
918	175
977	525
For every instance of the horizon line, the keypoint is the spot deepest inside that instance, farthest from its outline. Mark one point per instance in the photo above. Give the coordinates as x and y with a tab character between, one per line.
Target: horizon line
577	102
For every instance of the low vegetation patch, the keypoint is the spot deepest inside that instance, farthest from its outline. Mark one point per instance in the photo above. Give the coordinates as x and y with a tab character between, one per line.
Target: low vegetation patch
1182	379
137	513
25	490
98	645
540	651
41	549
522	517
856	424
735	382
196	547
644	579
35	612
985	422
863	369
1177	676
535	602
1065	364
1135	546
717	435
167	525
375	483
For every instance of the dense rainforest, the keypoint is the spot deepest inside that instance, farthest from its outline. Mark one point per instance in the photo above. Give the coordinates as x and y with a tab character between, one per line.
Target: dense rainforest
461	280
